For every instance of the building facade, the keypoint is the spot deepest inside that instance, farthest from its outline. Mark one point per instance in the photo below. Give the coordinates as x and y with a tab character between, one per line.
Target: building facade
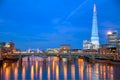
113	45
112	38
76	51
53	50
107	49
87	44
64	48
118	46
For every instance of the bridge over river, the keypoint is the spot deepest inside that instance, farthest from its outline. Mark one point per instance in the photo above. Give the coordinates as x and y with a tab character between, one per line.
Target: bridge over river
69	55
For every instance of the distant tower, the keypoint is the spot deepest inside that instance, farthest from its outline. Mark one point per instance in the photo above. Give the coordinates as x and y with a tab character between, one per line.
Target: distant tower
38	51
94	36
12	46
28	50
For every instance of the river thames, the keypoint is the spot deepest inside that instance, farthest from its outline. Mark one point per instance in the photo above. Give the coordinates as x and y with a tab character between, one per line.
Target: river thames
35	68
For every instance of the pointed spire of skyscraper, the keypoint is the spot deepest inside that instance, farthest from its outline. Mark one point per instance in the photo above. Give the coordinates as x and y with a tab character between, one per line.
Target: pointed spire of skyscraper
94	35
94	8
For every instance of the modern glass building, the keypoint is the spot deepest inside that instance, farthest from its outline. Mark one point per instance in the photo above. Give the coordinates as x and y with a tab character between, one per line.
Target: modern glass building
94	35
112	38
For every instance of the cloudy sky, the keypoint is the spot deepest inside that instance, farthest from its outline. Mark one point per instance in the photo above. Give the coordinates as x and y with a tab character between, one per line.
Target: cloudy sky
50	23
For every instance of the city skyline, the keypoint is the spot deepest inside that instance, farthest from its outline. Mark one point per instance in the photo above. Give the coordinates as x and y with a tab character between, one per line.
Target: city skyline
48	24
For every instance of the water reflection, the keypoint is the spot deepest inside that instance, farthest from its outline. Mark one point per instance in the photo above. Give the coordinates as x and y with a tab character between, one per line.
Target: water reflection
40	72
57	72
36	64
80	67
53	68
7	73
32	72
73	72
23	72
16	73
48	72
0	73
65	71
56	69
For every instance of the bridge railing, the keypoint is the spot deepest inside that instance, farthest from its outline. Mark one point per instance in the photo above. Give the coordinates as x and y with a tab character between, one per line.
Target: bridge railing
61	54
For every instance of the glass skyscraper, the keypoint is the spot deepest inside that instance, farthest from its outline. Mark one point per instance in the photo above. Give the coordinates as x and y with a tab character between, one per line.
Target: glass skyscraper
94	35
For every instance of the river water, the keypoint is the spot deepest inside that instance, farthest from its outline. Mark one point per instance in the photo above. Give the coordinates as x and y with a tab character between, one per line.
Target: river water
36	68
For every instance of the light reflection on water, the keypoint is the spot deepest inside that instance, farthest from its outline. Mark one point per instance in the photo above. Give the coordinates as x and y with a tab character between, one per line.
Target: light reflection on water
57	72
73	71
32	72
34	68
80	67
40	72
23	72
48	72
65	71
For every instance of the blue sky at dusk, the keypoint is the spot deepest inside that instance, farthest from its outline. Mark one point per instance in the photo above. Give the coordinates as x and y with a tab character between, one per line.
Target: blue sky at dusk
50	23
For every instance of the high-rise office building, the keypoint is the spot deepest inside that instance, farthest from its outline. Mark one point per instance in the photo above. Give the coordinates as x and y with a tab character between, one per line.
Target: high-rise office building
113	42
112	38
94	35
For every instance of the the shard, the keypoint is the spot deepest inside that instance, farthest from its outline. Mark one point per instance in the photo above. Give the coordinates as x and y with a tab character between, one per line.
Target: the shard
94	35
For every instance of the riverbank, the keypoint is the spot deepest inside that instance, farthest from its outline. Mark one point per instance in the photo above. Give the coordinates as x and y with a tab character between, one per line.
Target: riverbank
103	60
